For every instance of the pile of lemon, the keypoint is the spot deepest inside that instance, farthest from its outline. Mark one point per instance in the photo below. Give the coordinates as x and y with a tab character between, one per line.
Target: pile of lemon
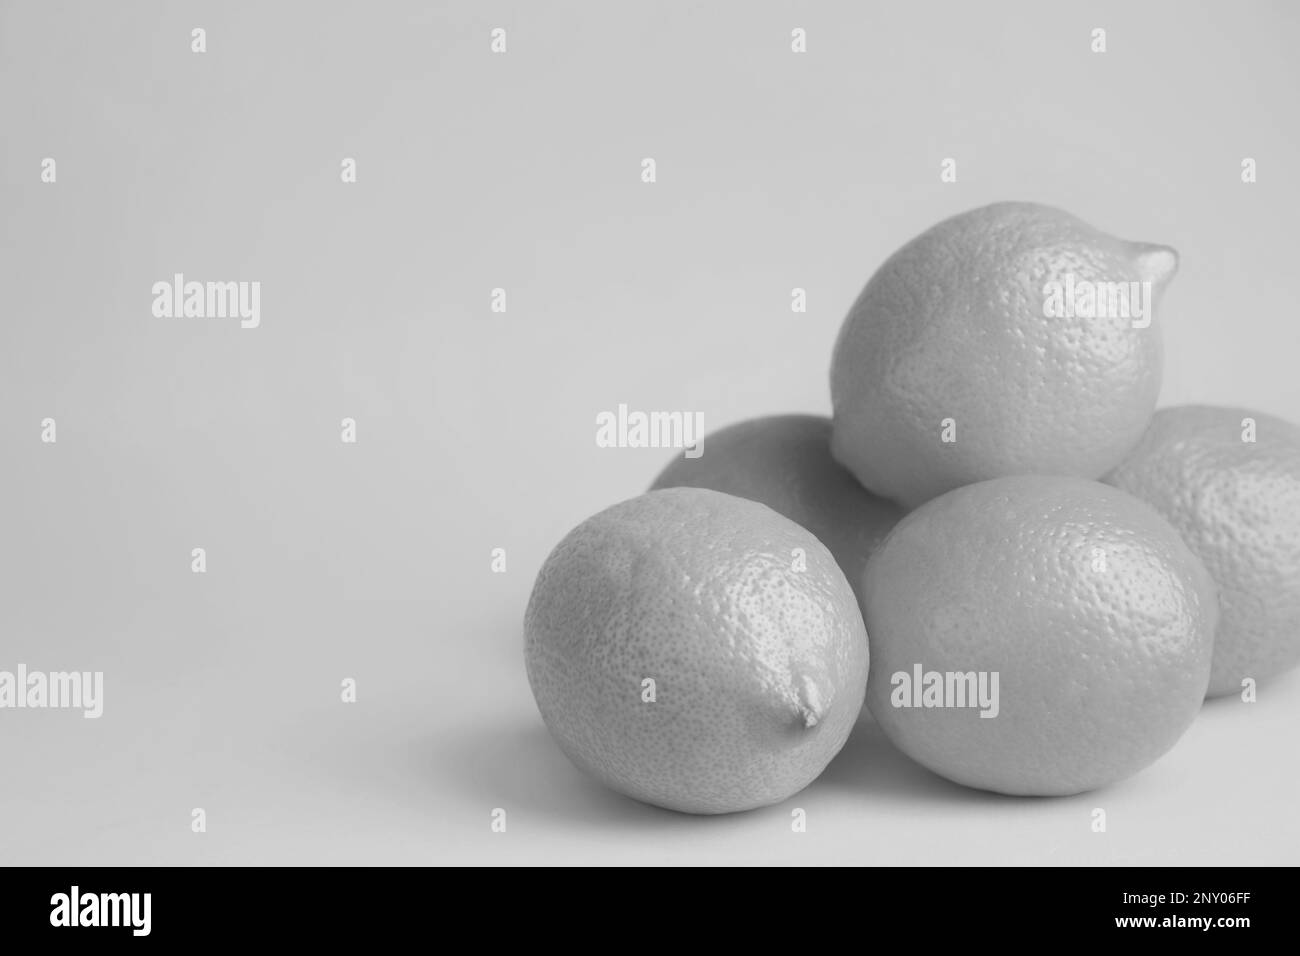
1031	576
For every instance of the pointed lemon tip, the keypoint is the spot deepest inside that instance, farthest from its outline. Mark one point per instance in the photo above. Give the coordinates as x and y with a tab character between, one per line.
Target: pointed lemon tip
1156	264
811	705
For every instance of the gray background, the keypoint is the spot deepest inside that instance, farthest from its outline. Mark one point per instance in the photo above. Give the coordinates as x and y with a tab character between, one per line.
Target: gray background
476	430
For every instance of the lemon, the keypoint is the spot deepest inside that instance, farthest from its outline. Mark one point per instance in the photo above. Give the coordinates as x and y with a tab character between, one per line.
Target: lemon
1037	635
948	370
784	461
696	651
1229	480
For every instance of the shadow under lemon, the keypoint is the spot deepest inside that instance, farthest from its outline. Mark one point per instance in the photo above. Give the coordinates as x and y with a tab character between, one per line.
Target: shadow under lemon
516	765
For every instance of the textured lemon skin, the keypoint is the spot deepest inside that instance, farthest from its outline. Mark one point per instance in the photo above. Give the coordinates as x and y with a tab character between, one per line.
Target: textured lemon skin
1103	655
759	670
952	326
784	462
1237	505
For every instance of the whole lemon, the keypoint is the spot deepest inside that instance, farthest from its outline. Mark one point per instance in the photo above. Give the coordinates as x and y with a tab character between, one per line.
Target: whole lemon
1011	339
696	651
1037	635
1229	480
784	461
